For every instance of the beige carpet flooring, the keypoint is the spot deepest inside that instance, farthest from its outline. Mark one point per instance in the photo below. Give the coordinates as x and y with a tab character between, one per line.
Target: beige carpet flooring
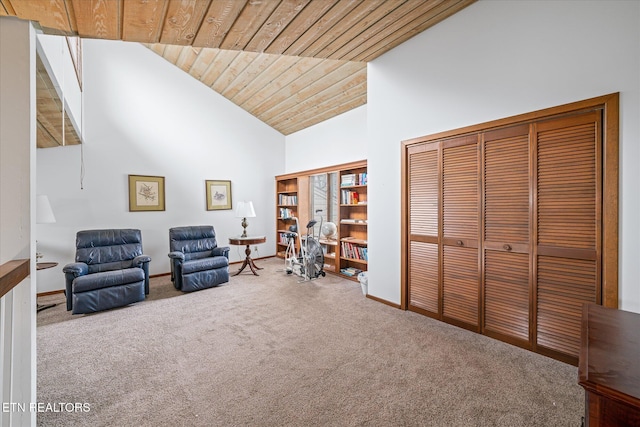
270	351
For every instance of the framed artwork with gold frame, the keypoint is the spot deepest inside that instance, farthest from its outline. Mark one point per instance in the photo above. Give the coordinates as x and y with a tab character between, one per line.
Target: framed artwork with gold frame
218	195
146	193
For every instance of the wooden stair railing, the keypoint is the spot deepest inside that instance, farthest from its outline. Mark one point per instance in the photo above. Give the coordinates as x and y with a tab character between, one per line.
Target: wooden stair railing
12	273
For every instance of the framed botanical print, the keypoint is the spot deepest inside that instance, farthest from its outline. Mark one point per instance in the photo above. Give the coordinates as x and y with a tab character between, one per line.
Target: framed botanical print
218	195
146	193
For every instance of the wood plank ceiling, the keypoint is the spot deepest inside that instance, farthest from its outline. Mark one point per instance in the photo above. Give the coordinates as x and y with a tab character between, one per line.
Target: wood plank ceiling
49	113
290	63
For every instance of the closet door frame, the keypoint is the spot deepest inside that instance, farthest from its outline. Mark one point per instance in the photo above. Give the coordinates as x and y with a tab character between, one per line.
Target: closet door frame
609	105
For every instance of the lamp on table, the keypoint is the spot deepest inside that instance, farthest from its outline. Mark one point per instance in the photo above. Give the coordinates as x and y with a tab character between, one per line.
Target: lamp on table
245	210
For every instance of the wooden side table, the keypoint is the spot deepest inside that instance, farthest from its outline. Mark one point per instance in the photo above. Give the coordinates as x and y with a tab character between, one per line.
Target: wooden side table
608	369
248	241
44	266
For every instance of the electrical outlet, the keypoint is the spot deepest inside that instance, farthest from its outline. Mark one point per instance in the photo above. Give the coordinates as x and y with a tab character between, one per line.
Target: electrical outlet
255	248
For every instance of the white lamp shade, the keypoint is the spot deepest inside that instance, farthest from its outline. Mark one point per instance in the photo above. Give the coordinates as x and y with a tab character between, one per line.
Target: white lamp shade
245	210
44	213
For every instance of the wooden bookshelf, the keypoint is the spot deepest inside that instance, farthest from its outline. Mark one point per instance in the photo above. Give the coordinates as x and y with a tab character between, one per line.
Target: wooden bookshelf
349	250
353	222
291	199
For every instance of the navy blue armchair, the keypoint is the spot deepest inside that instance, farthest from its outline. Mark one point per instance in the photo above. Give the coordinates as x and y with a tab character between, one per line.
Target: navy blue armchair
110	271
196	260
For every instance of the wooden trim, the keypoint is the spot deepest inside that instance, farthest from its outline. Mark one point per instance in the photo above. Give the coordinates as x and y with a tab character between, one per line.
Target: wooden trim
59	291
151	276
610	100
404	227
12	273
610	166
326	169
384	301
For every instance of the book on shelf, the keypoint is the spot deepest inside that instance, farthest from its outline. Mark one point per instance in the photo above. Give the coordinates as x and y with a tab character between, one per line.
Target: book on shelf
286	199
354	251
349	197
286	213
350	271
352	179
353	221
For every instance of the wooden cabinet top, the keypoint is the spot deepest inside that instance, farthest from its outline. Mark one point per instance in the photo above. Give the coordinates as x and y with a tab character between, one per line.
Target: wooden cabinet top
610	353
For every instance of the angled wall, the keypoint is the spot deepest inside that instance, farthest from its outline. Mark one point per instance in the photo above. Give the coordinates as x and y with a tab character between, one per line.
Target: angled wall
144	116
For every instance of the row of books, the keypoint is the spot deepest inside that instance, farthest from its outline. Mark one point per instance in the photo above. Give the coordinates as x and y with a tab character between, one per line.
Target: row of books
353	221
350	271
351	179
349	197
283	238
349	250
286	199
286	213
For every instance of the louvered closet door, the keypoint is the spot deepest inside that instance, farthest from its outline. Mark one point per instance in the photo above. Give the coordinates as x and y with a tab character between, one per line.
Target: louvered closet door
568	197
423	186
506	234
460	231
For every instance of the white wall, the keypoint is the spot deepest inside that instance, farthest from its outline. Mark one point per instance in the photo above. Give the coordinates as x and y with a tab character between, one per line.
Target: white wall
144	116
17	196
341	139
496	59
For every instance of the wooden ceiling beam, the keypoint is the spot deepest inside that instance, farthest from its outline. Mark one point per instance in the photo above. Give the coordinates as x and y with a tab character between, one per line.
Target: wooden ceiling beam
99	19
254	14
217	22
281	17
302	80
318	94
439	12
187	57
346	22
259	64
299	25
358	27
142	21
267	83
321	26
318	115
394	20
183	20
51	14
339	81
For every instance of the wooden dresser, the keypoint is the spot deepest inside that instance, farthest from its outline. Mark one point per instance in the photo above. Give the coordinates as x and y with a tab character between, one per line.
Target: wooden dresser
609	366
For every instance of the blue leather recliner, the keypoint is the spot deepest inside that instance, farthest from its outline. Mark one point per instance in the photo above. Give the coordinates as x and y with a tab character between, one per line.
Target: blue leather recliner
196	260
110	271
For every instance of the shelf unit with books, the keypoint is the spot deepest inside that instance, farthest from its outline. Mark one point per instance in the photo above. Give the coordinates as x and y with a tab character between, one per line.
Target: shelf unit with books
346	253
291	199
330	250
352	227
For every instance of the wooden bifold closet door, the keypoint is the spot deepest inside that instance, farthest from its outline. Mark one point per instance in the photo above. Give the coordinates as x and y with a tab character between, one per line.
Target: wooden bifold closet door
504	230
568	227
507	231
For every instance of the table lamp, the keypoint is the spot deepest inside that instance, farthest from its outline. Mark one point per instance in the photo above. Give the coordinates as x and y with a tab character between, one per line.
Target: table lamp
245	210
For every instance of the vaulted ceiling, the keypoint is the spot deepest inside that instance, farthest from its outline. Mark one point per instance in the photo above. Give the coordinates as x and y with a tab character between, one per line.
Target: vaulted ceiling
290	63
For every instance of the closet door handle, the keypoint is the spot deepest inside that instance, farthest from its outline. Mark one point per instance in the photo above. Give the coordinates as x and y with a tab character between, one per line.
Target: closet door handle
507	247
460	243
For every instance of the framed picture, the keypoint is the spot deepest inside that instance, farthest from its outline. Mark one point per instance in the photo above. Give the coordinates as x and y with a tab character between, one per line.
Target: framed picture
218	195
146	193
